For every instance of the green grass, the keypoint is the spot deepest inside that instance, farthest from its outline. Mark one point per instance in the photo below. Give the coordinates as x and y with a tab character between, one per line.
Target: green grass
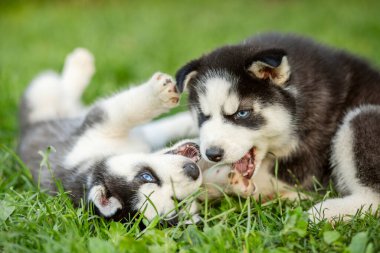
130	41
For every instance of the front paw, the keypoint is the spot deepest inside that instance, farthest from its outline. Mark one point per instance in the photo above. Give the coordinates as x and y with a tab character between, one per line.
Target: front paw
164	89
239	185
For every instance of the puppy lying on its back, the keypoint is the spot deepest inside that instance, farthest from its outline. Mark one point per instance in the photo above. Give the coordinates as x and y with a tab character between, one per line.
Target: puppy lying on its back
93	146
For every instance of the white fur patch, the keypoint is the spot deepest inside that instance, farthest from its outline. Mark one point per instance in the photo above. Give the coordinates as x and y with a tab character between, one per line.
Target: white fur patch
343	157
279	130
178	126
346	207
46	106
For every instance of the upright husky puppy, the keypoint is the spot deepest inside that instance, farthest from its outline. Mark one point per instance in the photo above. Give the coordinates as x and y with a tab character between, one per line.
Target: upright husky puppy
313	108
92	145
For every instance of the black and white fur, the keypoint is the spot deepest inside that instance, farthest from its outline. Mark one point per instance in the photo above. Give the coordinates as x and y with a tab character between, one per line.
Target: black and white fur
315	109
102	152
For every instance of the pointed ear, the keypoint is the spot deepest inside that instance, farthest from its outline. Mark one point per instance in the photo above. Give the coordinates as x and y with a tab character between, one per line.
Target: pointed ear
185	74
107	205
272	65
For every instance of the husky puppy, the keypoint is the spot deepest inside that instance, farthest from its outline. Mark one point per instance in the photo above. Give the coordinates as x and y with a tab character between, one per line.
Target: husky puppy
101	151
277	96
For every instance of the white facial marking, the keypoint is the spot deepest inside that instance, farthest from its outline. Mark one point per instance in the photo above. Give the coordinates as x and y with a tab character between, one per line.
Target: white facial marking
276	135
231	105
212	102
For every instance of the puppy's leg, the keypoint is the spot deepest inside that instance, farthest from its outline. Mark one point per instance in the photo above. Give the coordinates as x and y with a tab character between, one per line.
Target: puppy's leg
106	127
76	75
50	96
41	100
135	106
356	157
158	133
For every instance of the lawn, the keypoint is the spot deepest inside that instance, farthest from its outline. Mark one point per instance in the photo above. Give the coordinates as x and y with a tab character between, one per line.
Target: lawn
131	40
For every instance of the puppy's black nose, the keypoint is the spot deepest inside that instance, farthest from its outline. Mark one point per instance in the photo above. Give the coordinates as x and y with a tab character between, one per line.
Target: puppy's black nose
191	170
215	154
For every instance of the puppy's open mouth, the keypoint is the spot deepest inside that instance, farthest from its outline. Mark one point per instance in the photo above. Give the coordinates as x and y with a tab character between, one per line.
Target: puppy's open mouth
247	164
189	150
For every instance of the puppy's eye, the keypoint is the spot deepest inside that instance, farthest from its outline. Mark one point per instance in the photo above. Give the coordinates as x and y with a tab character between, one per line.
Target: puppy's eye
243	114
147	177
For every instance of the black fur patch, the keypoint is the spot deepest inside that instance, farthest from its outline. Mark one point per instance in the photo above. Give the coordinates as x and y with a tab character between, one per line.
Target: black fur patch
366	147
183	72
95	116
202	118
272	57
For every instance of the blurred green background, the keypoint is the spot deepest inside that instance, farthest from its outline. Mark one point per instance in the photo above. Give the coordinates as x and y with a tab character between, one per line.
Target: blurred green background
133	39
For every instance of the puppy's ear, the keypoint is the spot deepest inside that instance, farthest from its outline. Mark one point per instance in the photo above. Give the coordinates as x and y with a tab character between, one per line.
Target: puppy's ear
270	64
185	74
107	205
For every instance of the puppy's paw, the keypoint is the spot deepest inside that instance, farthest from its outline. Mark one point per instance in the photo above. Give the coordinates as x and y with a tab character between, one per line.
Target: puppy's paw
79	67
165	89
330	210
81	59
240	185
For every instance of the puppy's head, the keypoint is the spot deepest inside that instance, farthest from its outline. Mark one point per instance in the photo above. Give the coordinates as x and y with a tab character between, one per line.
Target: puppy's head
152	184
242	99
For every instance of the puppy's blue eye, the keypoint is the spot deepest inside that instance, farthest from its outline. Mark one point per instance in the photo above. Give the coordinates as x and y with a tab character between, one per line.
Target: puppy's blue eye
243	114
147	177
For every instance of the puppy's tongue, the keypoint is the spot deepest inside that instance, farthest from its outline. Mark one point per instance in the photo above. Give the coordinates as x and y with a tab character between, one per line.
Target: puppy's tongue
247	164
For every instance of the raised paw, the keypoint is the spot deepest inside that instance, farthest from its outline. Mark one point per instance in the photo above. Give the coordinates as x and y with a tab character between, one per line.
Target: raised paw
81	59
79	68
165	89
